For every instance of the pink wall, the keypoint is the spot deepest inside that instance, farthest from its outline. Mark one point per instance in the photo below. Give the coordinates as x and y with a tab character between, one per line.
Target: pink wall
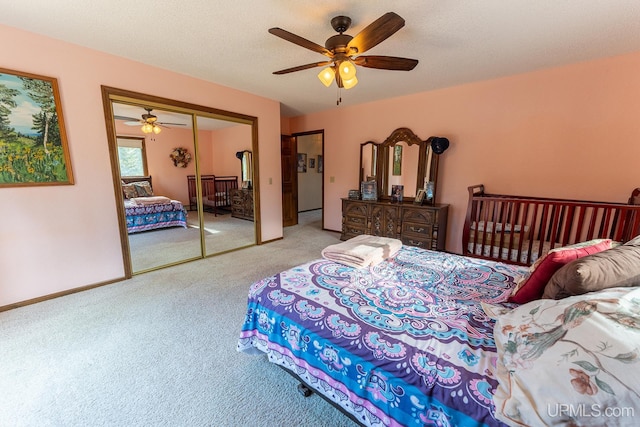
227	142
59	238
571	132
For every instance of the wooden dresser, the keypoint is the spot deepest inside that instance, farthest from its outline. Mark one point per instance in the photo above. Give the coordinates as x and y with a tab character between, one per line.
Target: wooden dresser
414	225
241	203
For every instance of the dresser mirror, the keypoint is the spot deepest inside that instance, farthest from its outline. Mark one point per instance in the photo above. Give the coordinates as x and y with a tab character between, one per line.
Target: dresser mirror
406	160
245	168
369	161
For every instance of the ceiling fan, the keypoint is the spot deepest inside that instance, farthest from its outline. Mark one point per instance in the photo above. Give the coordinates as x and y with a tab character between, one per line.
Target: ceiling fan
148	121
345	52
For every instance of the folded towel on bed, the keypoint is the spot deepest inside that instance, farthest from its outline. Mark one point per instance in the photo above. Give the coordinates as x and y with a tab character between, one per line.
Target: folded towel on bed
362	251
152	200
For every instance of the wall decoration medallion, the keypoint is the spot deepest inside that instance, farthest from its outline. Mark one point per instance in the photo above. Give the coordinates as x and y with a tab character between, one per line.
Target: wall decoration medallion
181	157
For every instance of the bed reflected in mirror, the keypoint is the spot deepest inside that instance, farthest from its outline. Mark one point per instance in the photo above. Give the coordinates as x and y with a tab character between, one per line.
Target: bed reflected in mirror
161	229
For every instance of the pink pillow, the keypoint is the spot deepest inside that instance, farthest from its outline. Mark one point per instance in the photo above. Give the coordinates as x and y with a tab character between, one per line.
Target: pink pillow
531	287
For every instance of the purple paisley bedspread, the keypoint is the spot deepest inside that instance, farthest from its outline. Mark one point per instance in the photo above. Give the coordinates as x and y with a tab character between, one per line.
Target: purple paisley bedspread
403	343
151	217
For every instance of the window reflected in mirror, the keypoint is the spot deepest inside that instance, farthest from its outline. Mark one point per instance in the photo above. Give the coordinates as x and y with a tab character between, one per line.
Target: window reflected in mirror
132	157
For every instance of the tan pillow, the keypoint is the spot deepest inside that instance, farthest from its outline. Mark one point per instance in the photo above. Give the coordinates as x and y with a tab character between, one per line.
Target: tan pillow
618	266
143	188
129	191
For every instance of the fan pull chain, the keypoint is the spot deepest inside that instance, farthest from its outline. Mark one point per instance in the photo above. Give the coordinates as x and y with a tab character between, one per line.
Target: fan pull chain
339	100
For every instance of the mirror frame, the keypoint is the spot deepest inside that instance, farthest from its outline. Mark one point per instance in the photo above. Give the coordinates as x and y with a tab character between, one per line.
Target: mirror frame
425	154
376	148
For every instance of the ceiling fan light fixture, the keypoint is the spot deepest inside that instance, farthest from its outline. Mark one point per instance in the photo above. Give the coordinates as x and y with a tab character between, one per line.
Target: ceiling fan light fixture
326	76
348	84
156	129
347	70
147	128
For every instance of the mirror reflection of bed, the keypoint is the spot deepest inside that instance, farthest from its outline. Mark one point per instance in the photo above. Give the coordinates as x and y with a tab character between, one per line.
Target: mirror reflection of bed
168	245
217	220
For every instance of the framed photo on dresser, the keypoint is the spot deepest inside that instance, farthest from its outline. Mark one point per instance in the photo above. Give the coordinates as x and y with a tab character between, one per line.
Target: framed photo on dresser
369	190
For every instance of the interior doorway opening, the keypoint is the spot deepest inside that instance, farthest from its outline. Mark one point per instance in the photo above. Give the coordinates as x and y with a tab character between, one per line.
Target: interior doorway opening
302	158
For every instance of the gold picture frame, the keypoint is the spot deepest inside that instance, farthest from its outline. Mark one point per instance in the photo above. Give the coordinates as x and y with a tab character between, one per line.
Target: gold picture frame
33	141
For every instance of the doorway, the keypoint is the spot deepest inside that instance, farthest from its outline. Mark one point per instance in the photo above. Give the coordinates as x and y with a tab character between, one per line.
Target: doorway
302	159
192	160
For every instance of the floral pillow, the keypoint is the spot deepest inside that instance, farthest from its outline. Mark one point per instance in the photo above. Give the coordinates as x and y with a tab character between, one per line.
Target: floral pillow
574	361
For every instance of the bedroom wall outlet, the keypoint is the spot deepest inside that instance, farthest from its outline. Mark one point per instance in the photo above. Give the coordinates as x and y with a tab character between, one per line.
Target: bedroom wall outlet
332	179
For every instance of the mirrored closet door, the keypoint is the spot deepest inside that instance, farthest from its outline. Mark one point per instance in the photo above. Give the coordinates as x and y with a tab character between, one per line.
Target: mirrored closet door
224	158
185	178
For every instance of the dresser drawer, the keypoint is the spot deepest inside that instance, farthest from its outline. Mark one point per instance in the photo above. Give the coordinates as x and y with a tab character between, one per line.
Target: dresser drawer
355	221
350	231
423	243
417	230
355	208
422	216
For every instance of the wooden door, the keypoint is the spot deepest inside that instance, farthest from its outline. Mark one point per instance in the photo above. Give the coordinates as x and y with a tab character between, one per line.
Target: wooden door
288	154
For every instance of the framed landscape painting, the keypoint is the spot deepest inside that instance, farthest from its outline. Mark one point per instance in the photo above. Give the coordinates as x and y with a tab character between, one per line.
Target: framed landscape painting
33	142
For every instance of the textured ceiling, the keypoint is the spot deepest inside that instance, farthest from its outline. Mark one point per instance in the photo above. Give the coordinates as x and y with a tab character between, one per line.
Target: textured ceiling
226	41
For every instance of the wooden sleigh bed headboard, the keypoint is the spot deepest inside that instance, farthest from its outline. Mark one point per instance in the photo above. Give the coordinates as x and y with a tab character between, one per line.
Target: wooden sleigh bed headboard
519	229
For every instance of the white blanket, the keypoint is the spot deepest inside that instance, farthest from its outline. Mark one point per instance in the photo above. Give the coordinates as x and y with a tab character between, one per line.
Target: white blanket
362	251
151	200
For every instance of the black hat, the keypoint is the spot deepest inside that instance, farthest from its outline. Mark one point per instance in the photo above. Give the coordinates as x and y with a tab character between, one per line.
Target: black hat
439	145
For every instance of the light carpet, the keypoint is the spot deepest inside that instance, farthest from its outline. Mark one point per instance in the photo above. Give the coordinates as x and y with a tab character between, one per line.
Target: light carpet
158	349
154	248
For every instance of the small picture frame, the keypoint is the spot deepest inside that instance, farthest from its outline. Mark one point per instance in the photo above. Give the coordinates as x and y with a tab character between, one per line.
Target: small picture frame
429	190
302	162
320	165
354	194
312	163
419	199
397	193
369	190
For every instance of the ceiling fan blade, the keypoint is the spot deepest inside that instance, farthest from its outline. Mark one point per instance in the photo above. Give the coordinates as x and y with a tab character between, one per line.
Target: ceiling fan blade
172	124
386	62
303	67
376	32
300	41
125	118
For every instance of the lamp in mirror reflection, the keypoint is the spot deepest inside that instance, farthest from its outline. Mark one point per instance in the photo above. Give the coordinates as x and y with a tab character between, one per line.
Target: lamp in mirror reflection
151	128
